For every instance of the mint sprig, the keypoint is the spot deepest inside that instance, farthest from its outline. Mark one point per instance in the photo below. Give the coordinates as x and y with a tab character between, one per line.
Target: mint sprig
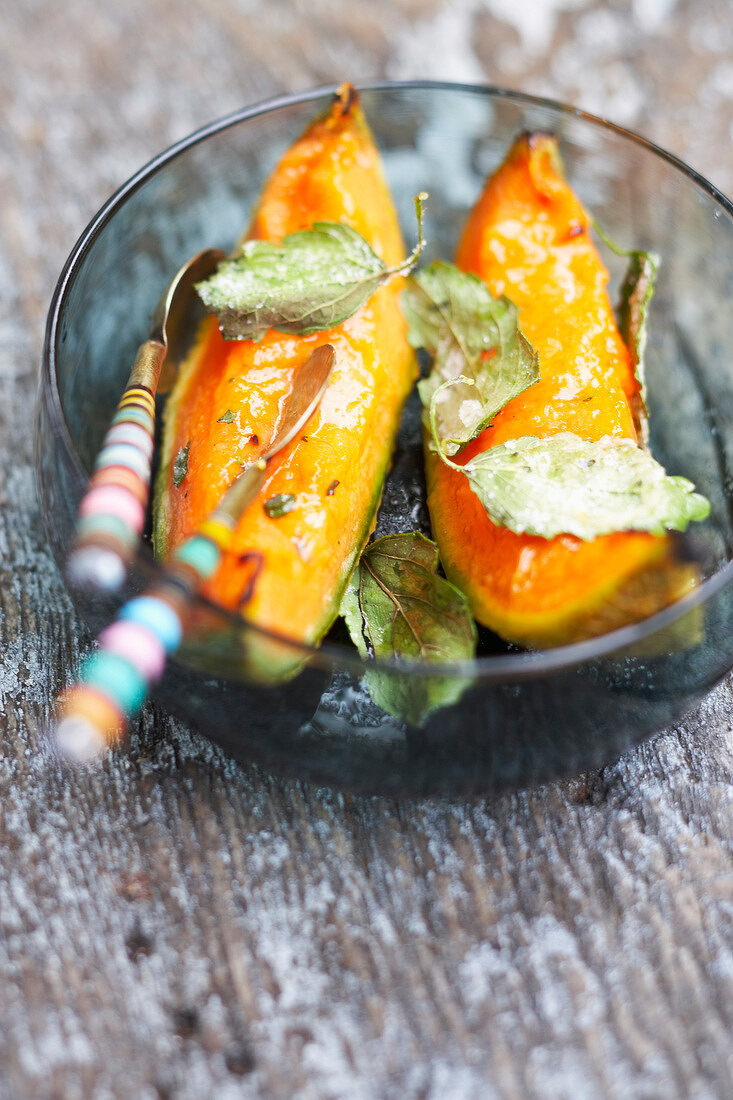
396	605
469	333
563	484
311	280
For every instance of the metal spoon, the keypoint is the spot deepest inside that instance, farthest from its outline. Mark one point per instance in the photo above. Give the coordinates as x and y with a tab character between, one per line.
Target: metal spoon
112	512
133	651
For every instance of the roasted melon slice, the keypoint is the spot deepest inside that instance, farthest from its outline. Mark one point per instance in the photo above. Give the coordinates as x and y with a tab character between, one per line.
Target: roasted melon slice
296	547
528	238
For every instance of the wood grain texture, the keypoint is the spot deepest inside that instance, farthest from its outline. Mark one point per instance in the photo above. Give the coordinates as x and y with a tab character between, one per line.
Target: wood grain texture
174	925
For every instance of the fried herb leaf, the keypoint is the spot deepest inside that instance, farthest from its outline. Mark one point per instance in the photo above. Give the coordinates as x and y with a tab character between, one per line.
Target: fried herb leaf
396	605
279	505
468	332
567	485
312	280
635	295
180	465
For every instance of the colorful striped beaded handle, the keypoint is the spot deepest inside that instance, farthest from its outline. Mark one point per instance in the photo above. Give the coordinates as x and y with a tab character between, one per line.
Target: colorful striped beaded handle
114	681
111	515
112	512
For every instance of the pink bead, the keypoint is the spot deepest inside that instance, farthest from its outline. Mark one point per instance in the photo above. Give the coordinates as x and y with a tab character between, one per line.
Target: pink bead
137	645
111	500
133	434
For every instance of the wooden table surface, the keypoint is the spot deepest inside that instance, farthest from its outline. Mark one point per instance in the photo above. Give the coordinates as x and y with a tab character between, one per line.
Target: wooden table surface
175	925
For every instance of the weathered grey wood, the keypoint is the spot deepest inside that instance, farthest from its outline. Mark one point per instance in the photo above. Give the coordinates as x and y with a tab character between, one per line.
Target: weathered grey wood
174	925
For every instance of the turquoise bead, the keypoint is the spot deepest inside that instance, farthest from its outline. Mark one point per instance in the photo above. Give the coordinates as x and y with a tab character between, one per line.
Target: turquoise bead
159	618
201	554
117	678
107	524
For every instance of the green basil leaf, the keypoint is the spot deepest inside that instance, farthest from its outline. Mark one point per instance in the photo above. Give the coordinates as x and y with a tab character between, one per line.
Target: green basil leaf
227	418
180	465
470	333
635	295
566	485
397	603
312	280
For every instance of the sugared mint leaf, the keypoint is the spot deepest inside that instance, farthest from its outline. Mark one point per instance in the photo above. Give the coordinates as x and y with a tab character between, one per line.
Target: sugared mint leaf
636	293
468	332
180	465
278	506
397	603
567	485
312	280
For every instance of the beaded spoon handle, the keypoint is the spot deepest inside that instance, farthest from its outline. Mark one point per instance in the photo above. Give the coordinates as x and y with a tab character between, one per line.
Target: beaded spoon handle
112	512
114	681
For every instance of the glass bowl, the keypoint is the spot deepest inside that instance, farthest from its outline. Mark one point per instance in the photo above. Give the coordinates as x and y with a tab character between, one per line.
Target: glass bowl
518	717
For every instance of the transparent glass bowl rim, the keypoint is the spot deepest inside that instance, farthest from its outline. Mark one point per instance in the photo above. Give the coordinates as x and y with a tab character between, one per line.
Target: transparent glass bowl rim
492	668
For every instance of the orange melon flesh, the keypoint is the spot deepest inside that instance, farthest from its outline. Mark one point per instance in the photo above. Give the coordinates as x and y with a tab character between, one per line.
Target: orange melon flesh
528	237
300	562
